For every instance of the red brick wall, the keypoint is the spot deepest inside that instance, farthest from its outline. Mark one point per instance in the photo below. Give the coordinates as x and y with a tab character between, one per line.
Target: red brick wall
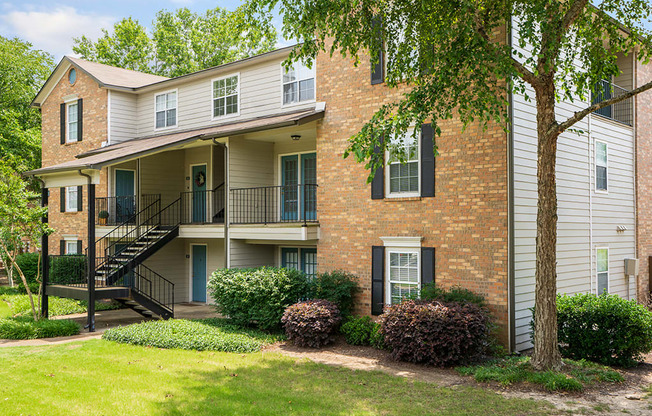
643	178
94	133
466	221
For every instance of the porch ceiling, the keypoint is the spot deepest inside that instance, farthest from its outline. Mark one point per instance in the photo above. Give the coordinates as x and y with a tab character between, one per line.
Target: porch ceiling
98	158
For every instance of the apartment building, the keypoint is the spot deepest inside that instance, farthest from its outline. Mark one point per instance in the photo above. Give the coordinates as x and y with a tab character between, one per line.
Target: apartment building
241	165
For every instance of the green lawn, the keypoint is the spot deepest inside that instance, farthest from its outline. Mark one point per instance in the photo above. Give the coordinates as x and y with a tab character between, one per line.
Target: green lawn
4	309
104	378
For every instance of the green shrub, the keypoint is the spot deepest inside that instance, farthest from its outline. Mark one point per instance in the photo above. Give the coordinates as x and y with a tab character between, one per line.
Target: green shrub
29	265
27	328
359	331
377	339
68	269
338	287
455	294
606	329
257	296
206	334
435	333
311	323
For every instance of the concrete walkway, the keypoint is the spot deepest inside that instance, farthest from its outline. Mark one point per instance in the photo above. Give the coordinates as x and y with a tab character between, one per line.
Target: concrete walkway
110	319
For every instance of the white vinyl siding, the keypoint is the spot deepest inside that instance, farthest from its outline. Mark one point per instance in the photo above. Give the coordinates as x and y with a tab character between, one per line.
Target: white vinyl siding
166	110
298	84
586	219
226	93
123	117
72	120
72	195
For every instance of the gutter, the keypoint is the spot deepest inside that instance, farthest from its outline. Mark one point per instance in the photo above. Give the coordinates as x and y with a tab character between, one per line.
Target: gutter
511	307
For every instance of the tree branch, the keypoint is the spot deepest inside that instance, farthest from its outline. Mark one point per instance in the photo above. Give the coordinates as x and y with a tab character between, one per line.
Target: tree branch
579	115
573	13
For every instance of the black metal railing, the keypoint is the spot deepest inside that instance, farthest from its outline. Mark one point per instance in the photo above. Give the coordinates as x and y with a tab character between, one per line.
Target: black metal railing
153	286
68	270
203	207
273	204
114	210
115	251
622	111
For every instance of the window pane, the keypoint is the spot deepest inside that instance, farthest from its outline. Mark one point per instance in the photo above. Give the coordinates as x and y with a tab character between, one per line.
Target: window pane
303	72
603	282
71	198
218	107
172	100
307	90
218	88
232	104
72	112
603	260
601	178
160	102
231	85
400	291
289	93
291	259
160	119
71	247
72	132
171	117
601	153
289	76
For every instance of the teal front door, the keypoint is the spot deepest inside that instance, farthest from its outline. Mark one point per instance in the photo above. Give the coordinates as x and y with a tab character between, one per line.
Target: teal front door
199	273
199	194
290	188
125	195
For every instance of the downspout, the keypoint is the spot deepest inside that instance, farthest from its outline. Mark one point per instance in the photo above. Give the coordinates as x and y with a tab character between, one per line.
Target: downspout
511	307
227	242
591	187
45	253
91	251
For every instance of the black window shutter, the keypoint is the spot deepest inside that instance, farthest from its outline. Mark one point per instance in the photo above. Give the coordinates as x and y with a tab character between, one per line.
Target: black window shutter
378	182
62	199
377	279
427	265
427	161
80	198
377	68
79	247
62	247
62	123
80	119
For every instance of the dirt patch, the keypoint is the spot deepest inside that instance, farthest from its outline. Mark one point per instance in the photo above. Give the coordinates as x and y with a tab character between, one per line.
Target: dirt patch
627	398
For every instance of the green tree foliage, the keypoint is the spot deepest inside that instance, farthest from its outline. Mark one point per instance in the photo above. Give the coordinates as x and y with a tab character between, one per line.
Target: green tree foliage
22	72
180	42
453	55
20	222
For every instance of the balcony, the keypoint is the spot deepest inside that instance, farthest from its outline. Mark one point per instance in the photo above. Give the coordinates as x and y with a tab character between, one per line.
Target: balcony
622	111
115	210
203	207
274	205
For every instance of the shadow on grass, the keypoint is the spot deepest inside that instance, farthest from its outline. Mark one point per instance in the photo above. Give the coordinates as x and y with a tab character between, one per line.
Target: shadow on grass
284	387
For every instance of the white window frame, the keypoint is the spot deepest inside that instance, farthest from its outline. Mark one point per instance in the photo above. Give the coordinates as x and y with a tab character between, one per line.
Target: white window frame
388	281
68	105
236	114
176	120
314	82
70	189
596	164
70	240
597	272
409	194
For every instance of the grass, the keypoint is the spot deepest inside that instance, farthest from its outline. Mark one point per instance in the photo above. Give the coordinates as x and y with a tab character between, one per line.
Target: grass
24	327
204	334
99	377
575	376
19	304
5	312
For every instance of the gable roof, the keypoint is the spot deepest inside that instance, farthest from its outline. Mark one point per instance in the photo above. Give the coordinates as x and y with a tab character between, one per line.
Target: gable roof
107	75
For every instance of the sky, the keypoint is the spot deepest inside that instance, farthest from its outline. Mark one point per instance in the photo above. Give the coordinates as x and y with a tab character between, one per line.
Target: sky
51	25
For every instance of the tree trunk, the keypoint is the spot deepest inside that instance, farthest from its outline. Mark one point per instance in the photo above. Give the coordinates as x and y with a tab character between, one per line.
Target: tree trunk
546	351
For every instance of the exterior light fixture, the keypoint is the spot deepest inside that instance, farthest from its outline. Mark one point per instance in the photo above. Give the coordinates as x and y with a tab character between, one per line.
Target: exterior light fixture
295	137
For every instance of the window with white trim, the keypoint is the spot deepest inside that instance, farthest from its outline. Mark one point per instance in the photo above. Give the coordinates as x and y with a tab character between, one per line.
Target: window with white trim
226	92
601	178
166	109
72	197
298	84
71	246
71	122
403	275
403	166
602	260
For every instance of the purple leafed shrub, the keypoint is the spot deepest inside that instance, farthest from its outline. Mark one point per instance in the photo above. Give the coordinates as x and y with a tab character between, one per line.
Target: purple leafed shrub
435	333
311	323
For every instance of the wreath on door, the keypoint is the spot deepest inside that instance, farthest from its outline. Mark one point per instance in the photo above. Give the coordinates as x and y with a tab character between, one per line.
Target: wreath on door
200	179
